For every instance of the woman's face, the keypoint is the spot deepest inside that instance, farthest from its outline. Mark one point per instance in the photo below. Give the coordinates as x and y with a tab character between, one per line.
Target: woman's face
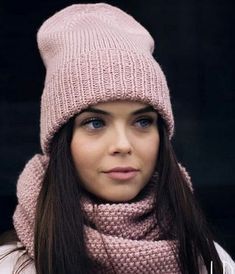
118	134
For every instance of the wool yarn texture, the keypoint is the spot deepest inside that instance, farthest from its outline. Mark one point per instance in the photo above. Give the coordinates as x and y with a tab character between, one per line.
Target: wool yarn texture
96	53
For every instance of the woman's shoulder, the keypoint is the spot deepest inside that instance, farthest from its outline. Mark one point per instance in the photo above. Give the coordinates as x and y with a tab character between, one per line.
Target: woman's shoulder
11	260
227	261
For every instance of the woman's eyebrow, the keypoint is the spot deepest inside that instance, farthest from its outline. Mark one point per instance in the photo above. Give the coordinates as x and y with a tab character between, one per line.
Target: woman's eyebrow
94	110
138	111
144	110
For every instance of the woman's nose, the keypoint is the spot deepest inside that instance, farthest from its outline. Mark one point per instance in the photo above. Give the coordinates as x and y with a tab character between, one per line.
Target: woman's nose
120	142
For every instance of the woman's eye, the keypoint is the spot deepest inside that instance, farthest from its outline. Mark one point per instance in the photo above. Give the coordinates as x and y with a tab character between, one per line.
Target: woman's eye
145	122
93	123
97	123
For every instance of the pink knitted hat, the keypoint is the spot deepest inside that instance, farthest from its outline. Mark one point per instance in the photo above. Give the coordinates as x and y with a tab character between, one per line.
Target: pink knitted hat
95	53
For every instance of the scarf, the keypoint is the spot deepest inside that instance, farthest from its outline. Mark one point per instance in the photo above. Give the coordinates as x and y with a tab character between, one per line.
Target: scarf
120	237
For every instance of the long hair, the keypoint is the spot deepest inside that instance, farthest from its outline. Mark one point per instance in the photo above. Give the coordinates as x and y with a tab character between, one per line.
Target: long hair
59	240
174	195
59	244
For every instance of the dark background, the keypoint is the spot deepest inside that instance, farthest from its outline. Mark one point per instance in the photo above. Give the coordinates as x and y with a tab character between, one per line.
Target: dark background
195	48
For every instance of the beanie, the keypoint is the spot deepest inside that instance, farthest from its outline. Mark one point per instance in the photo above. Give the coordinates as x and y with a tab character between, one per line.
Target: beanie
97	53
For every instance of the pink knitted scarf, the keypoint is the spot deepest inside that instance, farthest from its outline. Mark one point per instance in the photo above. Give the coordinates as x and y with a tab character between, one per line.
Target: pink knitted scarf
120	236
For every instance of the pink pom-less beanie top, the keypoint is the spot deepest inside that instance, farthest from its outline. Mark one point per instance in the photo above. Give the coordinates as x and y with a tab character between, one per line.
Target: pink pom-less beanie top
96	53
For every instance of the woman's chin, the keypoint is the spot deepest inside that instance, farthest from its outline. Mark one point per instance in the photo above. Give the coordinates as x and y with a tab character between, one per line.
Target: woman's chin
120	196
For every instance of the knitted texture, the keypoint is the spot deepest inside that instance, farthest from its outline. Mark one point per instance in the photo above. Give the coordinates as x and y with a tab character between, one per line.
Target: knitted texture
128	230
96	53
28	188
126	238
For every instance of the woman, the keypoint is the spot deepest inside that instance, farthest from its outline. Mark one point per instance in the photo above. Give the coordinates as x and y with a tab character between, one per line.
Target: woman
107	195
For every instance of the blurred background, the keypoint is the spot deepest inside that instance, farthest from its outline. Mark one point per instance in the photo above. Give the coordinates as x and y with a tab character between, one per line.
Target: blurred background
195	48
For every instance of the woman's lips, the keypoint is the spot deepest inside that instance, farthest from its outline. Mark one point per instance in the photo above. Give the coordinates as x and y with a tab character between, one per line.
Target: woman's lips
118	175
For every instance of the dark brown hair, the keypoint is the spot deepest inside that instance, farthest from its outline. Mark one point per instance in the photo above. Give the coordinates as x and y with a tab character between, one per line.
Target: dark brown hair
59	237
